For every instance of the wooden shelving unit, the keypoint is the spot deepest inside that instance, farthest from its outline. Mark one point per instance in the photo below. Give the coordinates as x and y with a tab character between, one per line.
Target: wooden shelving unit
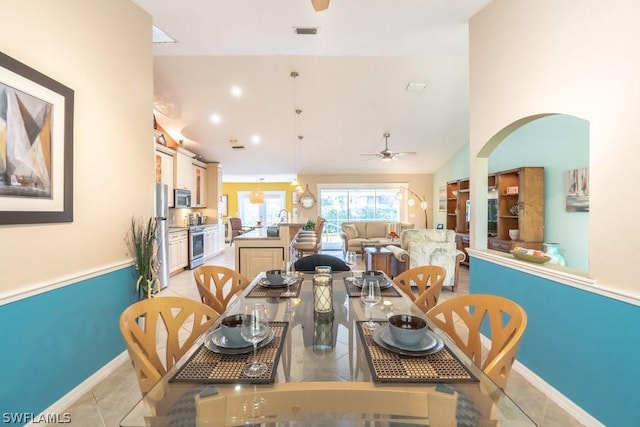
522	187
520	207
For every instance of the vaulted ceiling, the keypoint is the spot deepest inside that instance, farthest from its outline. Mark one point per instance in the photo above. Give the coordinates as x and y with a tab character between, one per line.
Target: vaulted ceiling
351	85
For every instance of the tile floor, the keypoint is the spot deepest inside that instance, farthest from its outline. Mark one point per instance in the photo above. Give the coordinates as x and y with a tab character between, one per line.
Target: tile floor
107	403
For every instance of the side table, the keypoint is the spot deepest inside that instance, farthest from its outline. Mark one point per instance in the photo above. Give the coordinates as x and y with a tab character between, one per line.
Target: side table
378	259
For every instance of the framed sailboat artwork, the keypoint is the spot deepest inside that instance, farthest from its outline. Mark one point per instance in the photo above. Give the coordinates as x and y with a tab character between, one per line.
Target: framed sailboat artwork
36	146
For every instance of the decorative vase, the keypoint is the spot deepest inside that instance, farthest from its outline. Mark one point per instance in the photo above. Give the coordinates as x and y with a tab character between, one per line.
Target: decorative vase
552	250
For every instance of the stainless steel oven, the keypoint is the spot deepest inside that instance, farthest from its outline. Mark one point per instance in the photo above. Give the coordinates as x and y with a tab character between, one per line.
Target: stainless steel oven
196	246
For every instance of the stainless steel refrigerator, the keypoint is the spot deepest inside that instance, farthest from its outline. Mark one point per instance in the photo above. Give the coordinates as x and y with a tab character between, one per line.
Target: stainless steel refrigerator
161	213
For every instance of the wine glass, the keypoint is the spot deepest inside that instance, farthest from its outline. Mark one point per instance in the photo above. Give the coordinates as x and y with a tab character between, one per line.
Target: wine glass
370	296
255	328
288	275
350	259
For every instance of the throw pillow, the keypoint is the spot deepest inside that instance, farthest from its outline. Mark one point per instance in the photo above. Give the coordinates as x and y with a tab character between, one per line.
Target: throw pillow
350	230
375	229
392	226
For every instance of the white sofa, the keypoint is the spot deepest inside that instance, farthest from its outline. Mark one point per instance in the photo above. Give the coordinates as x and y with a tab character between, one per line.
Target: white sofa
355	233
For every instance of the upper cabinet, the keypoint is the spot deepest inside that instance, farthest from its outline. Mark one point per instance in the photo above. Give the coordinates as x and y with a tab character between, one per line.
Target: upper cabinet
164	169
199	184
183	170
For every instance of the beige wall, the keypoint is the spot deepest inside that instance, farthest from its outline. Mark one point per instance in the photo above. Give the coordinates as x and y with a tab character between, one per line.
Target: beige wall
576	57
420	184
102	50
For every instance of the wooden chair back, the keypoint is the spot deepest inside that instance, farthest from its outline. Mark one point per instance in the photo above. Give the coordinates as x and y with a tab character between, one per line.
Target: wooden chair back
422	284
217	285
319	227
462	318
154	333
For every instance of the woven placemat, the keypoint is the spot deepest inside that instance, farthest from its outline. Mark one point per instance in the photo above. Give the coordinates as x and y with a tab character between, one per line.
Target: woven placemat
262	292
387	366
205	366
354	291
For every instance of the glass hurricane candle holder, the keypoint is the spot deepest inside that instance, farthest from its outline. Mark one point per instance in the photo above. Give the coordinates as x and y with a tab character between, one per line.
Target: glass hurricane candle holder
323	294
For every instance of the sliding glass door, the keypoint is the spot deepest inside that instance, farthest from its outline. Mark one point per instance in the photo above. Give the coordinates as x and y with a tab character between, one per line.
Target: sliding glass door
356	202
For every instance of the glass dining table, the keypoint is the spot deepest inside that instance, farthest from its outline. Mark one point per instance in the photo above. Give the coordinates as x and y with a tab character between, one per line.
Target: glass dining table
326	368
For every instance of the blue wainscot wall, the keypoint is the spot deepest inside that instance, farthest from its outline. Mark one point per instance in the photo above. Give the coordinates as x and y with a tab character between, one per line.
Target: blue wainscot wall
53	341
585	345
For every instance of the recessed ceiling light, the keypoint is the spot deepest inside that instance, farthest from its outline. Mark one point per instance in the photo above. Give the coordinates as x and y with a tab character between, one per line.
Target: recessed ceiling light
216	119
416	87
255	139
236	91
160	36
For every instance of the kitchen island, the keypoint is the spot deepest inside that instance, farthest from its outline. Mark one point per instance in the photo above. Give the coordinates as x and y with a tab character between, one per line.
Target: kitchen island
256	251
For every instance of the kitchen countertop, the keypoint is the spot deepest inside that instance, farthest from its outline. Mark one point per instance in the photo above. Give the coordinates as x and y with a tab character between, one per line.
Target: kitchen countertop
257	234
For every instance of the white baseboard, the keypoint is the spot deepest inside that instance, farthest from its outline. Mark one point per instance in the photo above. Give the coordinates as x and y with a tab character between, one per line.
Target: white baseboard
558	398
84	387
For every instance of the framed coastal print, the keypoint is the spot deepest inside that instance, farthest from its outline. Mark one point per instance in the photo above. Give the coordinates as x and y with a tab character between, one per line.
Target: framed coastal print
36	146
577	190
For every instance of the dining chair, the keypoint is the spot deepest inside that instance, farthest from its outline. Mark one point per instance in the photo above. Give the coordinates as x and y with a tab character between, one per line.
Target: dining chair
154	333
422	284
217	285
310	262
462	318
237	228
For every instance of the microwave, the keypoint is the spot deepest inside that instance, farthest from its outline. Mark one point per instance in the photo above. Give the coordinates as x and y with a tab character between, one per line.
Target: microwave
182	198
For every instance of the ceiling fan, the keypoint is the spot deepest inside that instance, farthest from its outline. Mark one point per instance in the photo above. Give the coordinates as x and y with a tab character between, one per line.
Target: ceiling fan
320	5
387	154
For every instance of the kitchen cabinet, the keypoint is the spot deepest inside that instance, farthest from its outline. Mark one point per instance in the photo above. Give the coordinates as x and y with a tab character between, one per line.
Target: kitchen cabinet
250	261
164	169
199	189
183	169
178	243
212	245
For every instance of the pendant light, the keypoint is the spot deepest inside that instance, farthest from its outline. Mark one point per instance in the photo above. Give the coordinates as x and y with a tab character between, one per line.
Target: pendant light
297	111
256	197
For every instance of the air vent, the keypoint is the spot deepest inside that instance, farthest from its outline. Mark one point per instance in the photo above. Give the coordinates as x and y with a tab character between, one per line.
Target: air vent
310	30
416	87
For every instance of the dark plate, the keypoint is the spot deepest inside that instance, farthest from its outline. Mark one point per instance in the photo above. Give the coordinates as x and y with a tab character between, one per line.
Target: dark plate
210	344
265	283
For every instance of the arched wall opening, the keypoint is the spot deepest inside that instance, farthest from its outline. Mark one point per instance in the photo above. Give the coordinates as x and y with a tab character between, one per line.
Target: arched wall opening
559	143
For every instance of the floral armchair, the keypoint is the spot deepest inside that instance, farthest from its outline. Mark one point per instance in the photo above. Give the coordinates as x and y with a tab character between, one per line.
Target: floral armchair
428	247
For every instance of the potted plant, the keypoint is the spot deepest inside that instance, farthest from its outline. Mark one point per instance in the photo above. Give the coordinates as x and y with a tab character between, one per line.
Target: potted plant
141	241
309	226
